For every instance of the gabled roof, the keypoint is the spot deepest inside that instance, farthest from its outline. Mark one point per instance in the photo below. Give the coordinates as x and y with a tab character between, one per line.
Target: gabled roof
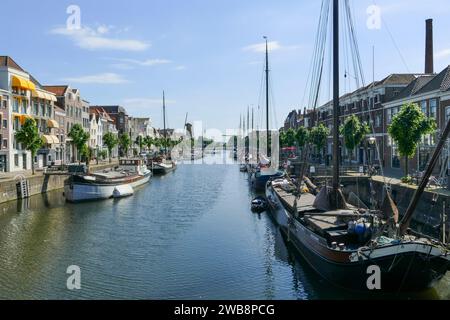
59	91
439	82
415	86
6	61
112	109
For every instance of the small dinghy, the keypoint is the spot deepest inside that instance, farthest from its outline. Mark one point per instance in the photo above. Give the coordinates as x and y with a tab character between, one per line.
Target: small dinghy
259	204
123	191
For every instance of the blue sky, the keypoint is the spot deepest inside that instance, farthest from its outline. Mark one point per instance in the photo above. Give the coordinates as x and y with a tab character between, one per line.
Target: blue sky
204	53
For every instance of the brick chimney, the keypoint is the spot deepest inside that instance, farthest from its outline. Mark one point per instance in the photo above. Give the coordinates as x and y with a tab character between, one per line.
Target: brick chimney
429	60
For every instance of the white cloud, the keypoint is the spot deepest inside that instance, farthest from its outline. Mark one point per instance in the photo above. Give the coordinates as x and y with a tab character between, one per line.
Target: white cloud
442	54
142	63
90	39
180	68
102	78
261	47
272	45
145	102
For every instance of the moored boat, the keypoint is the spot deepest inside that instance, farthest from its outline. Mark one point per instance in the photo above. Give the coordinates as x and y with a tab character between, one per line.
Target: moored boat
343	246
162	167
115	183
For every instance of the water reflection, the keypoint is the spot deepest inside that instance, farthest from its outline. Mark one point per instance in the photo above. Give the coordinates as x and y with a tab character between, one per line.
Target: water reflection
186	235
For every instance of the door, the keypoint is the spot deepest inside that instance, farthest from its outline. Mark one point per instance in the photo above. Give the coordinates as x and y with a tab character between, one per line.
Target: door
2	163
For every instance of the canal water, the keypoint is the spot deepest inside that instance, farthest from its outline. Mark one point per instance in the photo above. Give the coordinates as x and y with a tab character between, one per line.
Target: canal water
187	235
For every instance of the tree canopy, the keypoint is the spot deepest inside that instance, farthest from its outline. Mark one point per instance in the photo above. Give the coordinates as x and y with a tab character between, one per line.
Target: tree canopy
28	136
353	132
318	136
407	129
79	138
110	141
125	143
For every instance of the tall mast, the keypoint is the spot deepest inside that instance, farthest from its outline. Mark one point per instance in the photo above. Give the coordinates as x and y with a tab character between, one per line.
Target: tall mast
336	107
267	98
253	118
164	121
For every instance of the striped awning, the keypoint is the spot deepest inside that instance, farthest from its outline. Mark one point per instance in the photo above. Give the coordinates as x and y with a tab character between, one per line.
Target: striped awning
44	95
50	139
52	124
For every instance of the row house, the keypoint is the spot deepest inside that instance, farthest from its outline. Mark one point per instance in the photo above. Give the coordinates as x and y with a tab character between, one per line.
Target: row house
103	124
24	98
368	104
432	94
4	130
141	127
69	99
119	115
61	134
291	121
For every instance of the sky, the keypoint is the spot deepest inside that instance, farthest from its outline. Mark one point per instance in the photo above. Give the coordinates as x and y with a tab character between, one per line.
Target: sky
207	55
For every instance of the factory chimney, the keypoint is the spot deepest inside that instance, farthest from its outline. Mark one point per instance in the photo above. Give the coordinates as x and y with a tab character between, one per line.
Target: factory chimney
429	60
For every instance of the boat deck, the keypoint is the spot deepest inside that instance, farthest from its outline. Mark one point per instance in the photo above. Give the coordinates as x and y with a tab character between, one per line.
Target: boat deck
318	222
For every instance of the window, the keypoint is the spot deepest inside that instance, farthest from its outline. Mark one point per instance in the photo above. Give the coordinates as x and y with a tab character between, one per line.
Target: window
389	115
5	143
433	108
42	110
378	121
447	114
16	123
423	107
5	124
395	158
16	105
36	108
24	106
16	160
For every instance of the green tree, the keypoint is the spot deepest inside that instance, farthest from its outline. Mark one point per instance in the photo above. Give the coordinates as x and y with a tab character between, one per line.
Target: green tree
290	138
139	142
318	137
79	138
110	141
28	136
148	142
302	136
282	138
125	143
407	129
353	132
87	153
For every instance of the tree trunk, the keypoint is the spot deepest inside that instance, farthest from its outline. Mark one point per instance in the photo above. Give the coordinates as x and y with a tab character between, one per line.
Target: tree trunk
32	164
406	166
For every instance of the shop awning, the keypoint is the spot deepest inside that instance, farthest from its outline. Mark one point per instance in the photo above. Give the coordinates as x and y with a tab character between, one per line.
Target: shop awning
23	83
44	95
55	139
50	139
39	94
52	124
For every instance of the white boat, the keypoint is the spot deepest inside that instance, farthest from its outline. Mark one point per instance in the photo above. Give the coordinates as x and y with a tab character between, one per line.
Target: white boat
117	183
